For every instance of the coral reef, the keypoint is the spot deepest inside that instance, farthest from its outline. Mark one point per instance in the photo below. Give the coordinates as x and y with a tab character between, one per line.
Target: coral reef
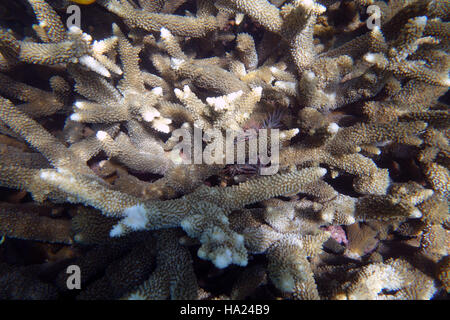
96	122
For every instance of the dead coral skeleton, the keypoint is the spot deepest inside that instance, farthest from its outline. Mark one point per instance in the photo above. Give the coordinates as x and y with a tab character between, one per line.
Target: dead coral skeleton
349	103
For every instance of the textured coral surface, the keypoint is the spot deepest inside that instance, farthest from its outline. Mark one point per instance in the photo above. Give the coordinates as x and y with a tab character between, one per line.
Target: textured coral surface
91	172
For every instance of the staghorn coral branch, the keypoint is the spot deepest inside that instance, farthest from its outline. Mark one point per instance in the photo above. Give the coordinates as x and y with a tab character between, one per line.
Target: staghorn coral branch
76	49
90	190
38	137
261	11
130	61
191	211
39	102
367	106
173	277
27	222
290	270
178	25
401	201
150	159
394	275
48	20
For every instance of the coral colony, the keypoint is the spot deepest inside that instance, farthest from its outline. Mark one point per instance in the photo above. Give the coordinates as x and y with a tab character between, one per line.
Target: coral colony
224	149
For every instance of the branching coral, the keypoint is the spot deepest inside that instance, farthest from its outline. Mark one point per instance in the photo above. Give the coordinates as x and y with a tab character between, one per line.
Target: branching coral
397	277
101	132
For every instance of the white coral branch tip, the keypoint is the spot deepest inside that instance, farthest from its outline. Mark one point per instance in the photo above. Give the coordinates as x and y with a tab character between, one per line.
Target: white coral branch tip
86	37
165	33
116	231
234	95
218	103
48	176
79	104
258	90
157	91
310	75
322	171
136	217
73	29
175	63
421	21
150	115
161	124
99	46
239	18
75	117
333	127
416	214
94	65
101	135
370	57
223	260
308	4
